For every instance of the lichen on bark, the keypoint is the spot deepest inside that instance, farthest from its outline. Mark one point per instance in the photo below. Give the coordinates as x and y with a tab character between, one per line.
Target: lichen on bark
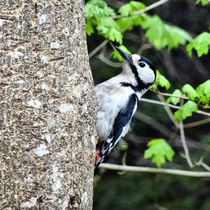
47	106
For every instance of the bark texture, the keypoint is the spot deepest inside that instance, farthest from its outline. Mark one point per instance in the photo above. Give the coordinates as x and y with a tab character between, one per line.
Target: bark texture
47	106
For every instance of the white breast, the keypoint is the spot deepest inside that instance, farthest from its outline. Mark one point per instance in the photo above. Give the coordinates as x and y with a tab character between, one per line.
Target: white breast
111	97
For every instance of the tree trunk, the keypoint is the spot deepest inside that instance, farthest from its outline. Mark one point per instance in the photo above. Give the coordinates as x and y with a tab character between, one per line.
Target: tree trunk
47	106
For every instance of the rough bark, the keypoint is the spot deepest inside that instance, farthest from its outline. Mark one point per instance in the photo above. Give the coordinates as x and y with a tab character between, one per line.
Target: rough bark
47	106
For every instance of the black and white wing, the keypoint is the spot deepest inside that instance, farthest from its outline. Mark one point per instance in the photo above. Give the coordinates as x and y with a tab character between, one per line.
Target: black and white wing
120	127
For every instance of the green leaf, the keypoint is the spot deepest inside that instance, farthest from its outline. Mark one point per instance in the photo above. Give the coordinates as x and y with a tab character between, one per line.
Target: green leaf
159	151
202	2
161	81
162	35
175	98
189	91
203	91
89	27
110	29
201	44
131	7
98	15
98	9
128	23
116	54
186	110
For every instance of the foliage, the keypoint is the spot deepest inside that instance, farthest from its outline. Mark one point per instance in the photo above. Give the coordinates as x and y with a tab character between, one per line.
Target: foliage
103	18
190	92
201	44
99	15
127	21
161	81
98	9
130	8
162	35
159	151
175	98
202	2
203	91
186	110
200	95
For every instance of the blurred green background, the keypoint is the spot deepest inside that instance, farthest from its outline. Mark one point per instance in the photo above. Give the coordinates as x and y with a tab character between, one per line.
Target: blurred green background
143	191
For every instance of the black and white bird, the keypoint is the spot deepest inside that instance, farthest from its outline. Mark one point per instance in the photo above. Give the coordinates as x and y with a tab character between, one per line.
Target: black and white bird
117	101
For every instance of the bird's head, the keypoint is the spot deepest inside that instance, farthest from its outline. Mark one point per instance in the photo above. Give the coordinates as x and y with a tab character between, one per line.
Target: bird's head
141	67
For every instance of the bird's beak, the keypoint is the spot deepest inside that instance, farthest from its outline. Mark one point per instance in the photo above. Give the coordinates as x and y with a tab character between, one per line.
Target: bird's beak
124	55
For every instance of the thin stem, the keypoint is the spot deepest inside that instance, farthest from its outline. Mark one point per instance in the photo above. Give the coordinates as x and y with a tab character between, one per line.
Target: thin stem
155	170
168	111
184	144
98	48
201	163
171	95
150	7
197	123
107	61
170	105
152	122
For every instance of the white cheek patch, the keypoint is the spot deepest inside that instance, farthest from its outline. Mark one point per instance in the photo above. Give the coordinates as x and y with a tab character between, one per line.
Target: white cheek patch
146	74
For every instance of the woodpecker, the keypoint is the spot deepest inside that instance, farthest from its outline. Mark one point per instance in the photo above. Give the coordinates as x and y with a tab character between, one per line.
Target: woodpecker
117	101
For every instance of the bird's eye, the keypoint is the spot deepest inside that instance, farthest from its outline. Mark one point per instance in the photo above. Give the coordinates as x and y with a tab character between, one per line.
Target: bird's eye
142	64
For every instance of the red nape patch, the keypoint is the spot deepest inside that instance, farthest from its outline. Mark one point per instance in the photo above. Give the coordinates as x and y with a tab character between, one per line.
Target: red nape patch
97	157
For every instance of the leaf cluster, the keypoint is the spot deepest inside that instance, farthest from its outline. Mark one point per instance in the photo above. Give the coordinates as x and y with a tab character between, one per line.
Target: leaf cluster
159	151
195	97
163	35
201	44
107	22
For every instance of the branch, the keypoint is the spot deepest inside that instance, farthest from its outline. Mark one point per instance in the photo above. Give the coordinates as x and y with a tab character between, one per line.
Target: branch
150	7
99	47
155	170
109	62
204	165
170	105
173	138
155	124
184	144
168	110
171	95
197	123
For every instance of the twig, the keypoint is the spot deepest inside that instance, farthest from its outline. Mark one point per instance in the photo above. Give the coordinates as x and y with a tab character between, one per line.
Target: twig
171	95
201	163
196	123
99	47
168	110
173	141
144	47
170	105
150	7
184	144
155	124
109	62
155	170
173	138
